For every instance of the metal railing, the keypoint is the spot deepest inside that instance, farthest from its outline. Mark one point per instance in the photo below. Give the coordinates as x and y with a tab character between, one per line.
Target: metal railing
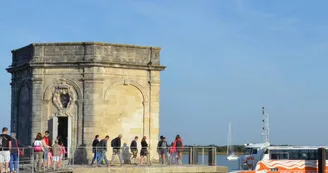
83	156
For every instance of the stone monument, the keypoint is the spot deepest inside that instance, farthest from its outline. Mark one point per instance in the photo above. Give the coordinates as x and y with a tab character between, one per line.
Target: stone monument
79	90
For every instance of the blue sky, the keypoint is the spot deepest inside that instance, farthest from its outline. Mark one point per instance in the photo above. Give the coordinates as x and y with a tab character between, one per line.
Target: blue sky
225	60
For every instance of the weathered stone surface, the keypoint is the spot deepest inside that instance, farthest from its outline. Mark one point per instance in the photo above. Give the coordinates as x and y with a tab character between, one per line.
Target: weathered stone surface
101	88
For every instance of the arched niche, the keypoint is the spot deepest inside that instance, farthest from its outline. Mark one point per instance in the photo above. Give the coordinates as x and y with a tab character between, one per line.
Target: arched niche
23	117
62	109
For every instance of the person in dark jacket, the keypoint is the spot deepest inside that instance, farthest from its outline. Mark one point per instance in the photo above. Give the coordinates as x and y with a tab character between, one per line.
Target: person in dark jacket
144	151
94	148
102	149
134	150
162	148
158	149
116	144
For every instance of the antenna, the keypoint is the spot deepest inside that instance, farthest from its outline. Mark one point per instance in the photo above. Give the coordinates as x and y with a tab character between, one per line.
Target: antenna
265	128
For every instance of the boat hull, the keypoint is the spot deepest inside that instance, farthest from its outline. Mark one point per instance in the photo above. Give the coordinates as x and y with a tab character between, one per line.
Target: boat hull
285	166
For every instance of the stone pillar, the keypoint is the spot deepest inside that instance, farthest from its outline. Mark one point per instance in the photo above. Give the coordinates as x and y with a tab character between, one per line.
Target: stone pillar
36	105
13	124
154	114
79	123
87	120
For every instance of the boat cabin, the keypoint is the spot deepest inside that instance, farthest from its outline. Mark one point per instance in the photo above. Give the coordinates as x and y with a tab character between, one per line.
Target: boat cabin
268	158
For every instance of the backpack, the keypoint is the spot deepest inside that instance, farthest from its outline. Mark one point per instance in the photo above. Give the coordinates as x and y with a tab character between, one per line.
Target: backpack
3	142
37	146
113	143
164	145
179	144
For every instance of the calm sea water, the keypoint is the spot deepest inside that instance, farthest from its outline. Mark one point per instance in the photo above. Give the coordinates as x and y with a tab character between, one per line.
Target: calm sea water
221	160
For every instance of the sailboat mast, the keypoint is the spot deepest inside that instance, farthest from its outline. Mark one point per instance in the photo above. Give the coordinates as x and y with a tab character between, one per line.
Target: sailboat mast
265	128
229	138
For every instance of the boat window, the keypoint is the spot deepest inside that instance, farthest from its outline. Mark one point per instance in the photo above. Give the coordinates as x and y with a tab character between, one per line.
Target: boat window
254	151
266	151
313	155
279	154
248	151
304	154
294	154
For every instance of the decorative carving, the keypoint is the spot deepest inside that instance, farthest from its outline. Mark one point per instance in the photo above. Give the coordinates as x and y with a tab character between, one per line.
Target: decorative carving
62	98
126	81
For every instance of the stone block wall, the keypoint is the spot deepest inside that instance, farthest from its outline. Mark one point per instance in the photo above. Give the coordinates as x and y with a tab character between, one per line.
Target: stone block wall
111	89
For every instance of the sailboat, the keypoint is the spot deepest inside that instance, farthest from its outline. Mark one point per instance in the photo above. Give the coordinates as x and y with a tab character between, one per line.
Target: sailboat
230	153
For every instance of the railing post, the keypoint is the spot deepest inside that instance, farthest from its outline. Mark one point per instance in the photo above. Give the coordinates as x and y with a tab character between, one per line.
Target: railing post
203	156
322	160
211	157
193	156
190	156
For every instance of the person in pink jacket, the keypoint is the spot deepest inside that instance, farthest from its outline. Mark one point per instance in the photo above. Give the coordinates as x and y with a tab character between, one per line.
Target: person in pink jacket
62	153
178	146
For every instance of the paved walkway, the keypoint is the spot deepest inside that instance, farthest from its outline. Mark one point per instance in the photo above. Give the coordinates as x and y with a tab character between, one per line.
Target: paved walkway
135	169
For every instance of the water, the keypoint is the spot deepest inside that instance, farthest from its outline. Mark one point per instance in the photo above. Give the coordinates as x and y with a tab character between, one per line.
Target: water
221	160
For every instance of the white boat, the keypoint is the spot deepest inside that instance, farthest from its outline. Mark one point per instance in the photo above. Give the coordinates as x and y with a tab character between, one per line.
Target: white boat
267	158
230	152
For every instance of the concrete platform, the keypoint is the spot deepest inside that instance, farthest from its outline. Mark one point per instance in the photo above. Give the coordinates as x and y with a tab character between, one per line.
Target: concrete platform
134	169
153	169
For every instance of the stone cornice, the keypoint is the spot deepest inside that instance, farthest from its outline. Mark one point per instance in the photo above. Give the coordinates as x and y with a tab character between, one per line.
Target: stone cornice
88	43
83	64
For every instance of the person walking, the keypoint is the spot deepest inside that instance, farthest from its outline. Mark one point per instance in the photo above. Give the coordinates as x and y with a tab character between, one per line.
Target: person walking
63	152
5	147
94	148
158	149
162	148
126	155
134	150
39	147
178	145
56	148
14	154
46	150
144	151
116	144
102	147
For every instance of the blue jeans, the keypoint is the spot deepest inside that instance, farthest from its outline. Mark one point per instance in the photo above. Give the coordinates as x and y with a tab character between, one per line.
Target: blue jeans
45	156
13	162
101	156
94	157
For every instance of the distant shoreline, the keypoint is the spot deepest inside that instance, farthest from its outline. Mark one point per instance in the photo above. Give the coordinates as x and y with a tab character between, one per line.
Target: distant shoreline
220	150
217	153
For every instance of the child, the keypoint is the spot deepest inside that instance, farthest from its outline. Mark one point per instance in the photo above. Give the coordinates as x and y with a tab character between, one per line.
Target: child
62	153
56	154
173	154
49	158
126	154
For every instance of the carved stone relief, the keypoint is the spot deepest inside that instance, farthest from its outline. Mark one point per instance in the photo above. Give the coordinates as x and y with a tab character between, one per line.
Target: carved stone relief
62	98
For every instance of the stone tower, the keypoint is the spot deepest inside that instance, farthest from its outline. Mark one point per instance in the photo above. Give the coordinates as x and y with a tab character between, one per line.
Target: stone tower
78	90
